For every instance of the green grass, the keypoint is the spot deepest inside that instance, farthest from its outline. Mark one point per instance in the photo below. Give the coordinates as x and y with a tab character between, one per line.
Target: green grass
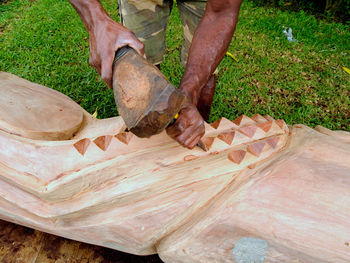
44	41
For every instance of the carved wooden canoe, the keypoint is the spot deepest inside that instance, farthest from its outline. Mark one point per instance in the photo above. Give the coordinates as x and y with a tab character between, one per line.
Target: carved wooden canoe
264	191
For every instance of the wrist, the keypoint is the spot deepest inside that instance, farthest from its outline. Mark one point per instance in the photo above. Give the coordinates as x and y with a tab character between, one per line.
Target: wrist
191	90
91	12
190	97
100	22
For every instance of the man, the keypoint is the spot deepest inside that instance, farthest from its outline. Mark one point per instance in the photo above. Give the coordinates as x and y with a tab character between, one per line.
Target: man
148	18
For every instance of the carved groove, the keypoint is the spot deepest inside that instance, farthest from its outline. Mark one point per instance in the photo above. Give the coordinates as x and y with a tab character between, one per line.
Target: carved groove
243	120
280	123
216	123
265	126
227	137
248	130
237	156
258	118
273	141
268	117
256	148
82	145
103	142
124	137
207	142
222	124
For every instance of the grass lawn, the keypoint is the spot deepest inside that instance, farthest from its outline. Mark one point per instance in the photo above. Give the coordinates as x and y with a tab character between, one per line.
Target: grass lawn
44	41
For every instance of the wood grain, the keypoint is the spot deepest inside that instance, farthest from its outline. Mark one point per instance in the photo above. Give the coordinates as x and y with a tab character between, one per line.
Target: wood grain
284	187
31	111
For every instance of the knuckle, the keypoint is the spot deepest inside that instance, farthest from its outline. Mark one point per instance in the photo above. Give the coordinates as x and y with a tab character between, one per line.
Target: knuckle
129	34
180	141
171	132
91	61
191	146
132	34
94	63
105	77
179	126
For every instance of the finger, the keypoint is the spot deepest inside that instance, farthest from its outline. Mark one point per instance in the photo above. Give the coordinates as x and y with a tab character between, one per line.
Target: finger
193	143
190	139
138	46
176	129
93	62
187	137
106	70
184	136
170	131
173	132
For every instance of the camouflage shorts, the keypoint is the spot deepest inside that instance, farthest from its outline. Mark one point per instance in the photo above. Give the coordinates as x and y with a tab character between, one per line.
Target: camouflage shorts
148	20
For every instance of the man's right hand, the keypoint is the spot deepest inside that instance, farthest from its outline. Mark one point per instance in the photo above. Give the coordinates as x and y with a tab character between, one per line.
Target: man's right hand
106	36
188	128
105	39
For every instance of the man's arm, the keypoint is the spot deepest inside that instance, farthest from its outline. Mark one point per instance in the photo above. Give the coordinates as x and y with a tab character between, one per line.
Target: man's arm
105	36
209	45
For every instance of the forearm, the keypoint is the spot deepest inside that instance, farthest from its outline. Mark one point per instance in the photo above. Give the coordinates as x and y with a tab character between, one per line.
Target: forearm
208	47
91	12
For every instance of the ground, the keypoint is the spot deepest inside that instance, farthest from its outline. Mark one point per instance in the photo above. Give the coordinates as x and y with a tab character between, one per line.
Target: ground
23	245
300	82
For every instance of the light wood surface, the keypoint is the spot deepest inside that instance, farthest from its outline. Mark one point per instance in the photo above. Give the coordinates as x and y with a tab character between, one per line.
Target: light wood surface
280	190
34	112
297	204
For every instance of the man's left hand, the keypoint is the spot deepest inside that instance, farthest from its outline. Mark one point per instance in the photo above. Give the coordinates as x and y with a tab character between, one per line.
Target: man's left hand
188	128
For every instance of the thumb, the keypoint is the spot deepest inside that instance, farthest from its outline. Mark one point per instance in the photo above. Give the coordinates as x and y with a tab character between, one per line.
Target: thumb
138	46
106	70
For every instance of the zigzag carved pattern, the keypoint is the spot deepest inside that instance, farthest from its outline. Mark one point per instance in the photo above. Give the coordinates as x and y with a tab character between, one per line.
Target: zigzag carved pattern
242	130
254	151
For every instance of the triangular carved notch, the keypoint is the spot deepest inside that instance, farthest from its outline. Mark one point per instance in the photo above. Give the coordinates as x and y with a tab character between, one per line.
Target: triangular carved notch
82	145
237	156
268	117
124	137
273	141
206	142
227	137
238	120
216	123
280	123
223	124
103	142
265	126
256	148
243	120
248	130
258	118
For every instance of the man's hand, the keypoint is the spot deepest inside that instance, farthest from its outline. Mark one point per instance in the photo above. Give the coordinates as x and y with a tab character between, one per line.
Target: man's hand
188	128
105	39
106	36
